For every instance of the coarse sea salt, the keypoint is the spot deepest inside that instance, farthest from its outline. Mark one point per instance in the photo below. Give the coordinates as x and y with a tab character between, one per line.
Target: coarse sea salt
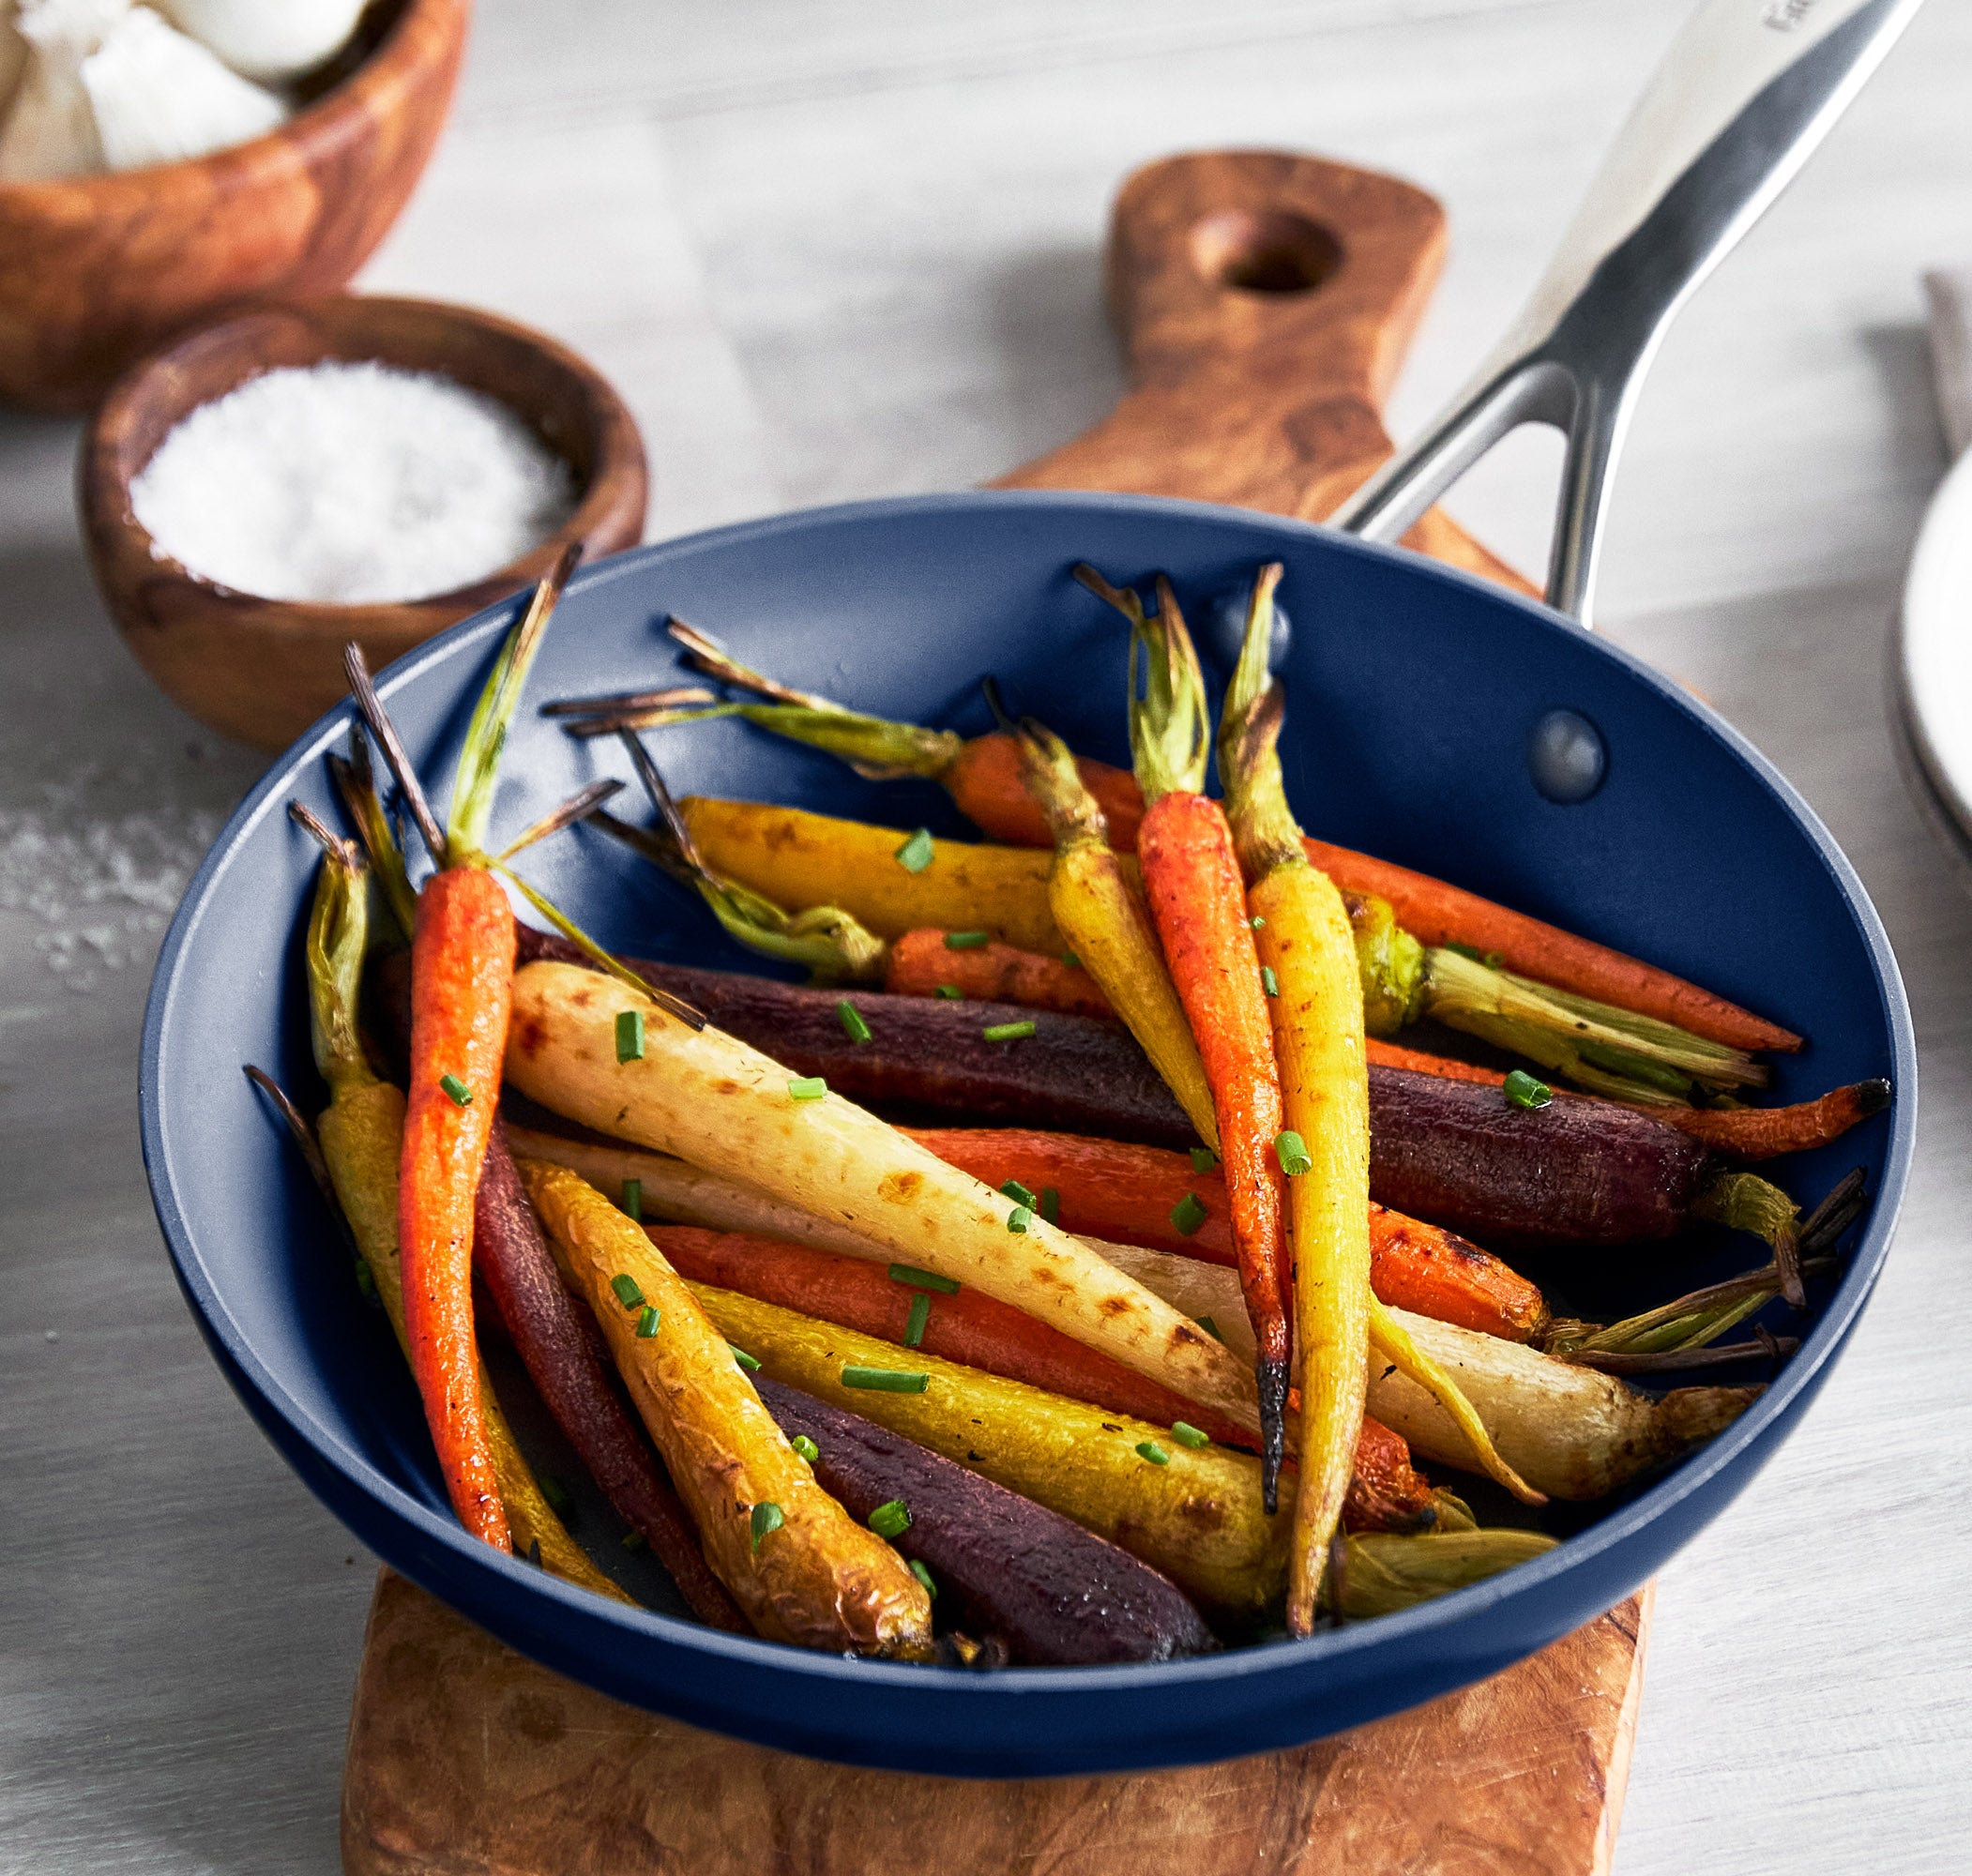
350	484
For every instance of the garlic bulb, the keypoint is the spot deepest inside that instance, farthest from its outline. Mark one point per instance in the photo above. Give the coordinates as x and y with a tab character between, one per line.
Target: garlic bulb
51	130
159	97
13	55
268	38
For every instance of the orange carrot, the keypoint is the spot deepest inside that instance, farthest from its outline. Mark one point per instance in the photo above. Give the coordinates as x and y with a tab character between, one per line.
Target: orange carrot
1394	1056
1148	1195
923	963
984	780
1436	913
975	1330
1197	898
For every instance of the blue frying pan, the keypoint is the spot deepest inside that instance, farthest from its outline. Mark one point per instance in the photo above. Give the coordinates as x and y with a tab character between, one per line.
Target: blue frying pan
1433	719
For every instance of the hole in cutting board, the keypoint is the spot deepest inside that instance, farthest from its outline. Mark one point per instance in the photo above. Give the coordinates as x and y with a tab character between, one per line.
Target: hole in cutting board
1264	251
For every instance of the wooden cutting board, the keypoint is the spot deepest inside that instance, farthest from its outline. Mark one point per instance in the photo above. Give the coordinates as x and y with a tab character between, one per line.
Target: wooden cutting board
1264	302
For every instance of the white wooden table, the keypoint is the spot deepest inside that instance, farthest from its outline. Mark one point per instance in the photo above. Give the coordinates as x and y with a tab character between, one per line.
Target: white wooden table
849	247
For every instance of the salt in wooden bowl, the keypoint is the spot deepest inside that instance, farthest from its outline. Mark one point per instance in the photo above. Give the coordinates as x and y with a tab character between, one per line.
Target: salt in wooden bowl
96	270
262	670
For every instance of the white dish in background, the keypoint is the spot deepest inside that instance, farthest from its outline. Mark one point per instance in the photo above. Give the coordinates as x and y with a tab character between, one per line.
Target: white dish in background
1935	660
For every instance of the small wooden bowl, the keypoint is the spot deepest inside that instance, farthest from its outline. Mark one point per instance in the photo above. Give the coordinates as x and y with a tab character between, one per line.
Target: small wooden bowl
94	271
262	670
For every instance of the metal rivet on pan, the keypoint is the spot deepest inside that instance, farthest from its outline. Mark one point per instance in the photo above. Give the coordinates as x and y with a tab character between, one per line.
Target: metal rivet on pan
1566	757
1227	628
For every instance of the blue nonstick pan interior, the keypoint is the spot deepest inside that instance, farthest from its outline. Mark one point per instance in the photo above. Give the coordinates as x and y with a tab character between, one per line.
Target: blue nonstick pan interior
1412	694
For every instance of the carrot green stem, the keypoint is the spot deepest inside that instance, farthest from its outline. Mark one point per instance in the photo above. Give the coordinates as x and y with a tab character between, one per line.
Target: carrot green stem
1745	1201
1170	731
337	938
356	782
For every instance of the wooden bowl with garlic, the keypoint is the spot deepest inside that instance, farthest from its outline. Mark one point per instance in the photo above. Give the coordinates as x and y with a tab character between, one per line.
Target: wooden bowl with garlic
301	474
162	159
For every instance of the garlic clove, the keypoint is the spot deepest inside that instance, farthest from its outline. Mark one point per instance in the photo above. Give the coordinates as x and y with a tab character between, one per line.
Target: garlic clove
268	39
49	132
13	56
160	96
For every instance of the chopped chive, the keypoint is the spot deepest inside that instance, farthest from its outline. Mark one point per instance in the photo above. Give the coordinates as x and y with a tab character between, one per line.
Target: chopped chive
924	1576
1149	1450
1072	960
461	1095
751	1363
633	1199
968	941
916	852
632	1540
1020	1195
1293	1152
854	1027
557	1493
1202	1159
1020	1219
1051	1204
1187	1215
950	994
920	1315
1007	1032
1526	1091
1211	1327
923	1280
627	1293
806	1088
1470	952
1268	981
648	1321
629	1035
1257	923
806	1448
891	1520
1185	1435
766	1520
885	1380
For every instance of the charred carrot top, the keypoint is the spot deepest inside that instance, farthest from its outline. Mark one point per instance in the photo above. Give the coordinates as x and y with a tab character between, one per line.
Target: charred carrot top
1198	903
1130	1194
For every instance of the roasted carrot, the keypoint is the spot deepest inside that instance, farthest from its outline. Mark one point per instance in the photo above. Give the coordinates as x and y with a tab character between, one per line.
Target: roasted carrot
1102	913
1314	999
1198	903
928	963
1148	1195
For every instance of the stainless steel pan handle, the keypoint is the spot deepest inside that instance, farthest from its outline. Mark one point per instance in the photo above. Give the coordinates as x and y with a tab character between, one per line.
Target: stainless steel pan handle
1746	92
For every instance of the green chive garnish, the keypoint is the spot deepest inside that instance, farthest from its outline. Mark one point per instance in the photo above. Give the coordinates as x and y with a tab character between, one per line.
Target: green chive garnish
1202	1159
1007	1032
924	1576
1072	960
632	1540
1526	1091
891	1520
629	1035
1020	1219
1051	1204
1268	981
1257	923
766	1520
950	994
1149	1450
920	1315
806	1448
751	1363
648	1322
1020	1195
633	1199
854	1027
916	852
1293	1152
923	1280
885	1380
968	941
1185	1435
1211	1327
627	1293
806	1088
1187	1215
461	1095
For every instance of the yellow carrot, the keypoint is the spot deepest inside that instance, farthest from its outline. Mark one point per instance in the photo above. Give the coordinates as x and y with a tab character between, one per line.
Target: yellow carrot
1101	914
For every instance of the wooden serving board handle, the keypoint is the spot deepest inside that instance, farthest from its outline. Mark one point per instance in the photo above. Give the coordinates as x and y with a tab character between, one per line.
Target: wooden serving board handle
1264	302
466	1760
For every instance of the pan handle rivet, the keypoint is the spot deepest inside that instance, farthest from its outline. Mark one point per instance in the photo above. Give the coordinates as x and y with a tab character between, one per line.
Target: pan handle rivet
1566	757
1225	629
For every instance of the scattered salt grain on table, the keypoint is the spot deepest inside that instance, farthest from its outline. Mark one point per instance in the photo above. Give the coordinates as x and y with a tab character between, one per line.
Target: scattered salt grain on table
350	484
